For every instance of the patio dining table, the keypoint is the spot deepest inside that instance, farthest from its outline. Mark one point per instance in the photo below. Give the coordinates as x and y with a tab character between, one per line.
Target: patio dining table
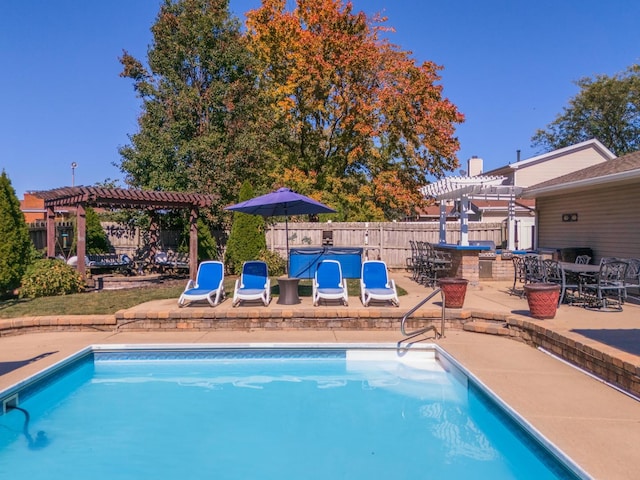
580	267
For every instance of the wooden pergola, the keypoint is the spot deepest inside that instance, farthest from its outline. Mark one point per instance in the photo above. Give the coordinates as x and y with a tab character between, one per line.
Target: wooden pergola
82	197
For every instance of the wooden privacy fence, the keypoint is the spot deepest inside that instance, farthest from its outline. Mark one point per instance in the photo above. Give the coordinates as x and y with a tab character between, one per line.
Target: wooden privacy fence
388	241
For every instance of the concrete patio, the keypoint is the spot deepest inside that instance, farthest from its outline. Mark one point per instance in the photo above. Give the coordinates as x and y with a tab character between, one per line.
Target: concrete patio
593	423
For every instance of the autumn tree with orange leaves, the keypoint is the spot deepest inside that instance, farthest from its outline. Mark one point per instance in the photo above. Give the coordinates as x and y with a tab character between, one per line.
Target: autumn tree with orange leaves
362	124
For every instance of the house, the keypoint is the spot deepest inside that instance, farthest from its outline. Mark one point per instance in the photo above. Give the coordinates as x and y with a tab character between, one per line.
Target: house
595	207
33	209
523	173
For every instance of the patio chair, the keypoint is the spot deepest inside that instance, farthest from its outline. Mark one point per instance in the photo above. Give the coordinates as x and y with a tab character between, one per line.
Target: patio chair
253	284
632	278
583	259
376	285
607	287
534	272
519	275
209	285
328	283
554	273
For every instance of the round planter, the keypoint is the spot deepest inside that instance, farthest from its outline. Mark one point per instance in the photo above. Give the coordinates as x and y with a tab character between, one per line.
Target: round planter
454	291
542	299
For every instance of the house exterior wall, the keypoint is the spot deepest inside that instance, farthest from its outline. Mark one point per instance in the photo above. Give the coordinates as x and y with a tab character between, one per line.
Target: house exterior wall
608	221
33	208
528	175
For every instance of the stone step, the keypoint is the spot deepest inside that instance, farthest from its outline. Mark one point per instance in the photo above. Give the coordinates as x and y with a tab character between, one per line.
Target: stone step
488	327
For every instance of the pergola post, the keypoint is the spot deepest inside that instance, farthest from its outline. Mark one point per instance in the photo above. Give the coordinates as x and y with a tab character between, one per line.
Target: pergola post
511	216
153	236
464	221
193	243
81	247
51	232
443	222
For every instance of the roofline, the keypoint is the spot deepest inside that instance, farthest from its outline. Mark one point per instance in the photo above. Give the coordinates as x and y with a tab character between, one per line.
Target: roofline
608	154
621	177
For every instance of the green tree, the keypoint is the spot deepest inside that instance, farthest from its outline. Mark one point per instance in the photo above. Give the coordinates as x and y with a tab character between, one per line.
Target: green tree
247	238
16	247
365	125
96	237
606	108
200	127
207	245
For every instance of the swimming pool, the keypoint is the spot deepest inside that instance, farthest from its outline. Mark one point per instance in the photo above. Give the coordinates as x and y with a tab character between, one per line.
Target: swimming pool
257	411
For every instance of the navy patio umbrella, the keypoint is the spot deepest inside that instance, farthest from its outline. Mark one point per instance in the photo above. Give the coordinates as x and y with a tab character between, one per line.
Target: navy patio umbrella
282	202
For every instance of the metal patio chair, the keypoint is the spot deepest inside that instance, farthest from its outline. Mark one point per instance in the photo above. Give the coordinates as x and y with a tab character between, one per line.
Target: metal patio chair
554	273
606	289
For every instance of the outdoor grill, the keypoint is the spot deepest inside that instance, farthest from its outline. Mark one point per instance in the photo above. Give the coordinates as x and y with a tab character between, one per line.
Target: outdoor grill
487	254
485	257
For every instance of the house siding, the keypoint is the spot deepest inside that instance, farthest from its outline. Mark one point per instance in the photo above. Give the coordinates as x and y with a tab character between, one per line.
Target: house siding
608	221
536	173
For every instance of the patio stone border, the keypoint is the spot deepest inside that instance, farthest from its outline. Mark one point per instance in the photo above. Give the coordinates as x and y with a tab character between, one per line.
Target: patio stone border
603	365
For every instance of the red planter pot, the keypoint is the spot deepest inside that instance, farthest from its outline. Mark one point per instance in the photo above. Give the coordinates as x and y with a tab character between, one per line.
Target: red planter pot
454	290
542	299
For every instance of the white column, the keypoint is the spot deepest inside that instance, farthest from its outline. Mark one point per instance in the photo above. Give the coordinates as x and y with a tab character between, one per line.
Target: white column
464	221
443	222
511	224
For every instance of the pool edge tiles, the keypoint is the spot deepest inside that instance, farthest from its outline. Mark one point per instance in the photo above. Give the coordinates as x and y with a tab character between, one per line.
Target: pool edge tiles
33	384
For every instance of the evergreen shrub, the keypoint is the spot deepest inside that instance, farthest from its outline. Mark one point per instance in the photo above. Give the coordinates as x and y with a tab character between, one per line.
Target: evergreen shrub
246	239
16	249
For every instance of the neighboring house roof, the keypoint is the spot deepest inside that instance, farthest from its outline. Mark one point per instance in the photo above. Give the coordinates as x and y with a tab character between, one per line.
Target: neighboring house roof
625	169
593	143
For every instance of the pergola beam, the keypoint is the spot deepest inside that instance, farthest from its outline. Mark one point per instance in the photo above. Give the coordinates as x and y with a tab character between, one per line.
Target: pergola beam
82	197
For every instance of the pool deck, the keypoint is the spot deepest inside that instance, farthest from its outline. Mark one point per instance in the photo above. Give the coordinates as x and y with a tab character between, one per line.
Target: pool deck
593	423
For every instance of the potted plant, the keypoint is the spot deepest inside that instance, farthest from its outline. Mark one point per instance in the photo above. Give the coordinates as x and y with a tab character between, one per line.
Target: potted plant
454	290
542	299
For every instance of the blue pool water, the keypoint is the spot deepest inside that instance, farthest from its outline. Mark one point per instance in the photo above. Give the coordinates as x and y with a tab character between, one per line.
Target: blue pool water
264	414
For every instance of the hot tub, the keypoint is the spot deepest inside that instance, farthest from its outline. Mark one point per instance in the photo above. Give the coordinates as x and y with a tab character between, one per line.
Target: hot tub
304	261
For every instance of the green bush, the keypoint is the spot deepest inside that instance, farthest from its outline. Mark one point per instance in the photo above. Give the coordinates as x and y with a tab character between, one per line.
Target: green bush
207	245
96	237
274	261
48	277
246	239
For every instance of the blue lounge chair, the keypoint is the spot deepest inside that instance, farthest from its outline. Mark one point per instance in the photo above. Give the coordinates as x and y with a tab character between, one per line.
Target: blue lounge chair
328	283
209	285
253	284
375	283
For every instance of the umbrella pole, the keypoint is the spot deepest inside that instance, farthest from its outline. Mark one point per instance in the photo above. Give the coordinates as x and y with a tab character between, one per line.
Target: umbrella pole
286	232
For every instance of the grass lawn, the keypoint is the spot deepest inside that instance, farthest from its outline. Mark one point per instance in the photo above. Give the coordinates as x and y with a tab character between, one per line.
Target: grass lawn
110	301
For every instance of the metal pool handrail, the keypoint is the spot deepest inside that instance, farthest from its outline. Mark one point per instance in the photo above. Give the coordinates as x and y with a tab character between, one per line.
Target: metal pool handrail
430	327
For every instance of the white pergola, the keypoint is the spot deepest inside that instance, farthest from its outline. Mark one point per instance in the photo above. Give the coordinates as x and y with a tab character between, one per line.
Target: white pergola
464	189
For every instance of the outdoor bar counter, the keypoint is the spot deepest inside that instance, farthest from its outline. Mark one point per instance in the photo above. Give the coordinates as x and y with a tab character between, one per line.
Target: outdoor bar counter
465	262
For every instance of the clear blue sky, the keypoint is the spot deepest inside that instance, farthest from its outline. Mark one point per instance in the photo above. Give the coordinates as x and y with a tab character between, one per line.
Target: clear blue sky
509	66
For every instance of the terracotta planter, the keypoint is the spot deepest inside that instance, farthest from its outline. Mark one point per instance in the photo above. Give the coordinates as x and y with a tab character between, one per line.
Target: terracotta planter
454	291
542	299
